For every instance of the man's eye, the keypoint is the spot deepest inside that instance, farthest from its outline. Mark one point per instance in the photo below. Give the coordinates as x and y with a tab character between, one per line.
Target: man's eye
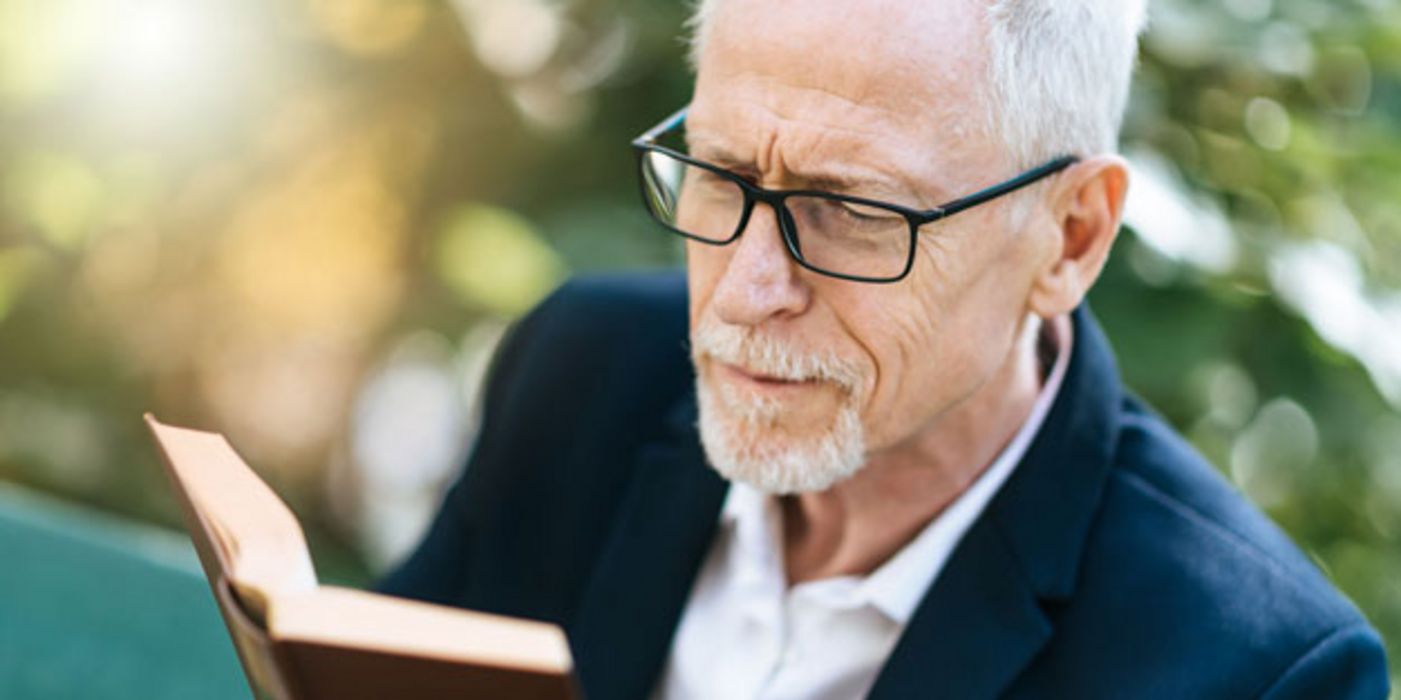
866	213
705	179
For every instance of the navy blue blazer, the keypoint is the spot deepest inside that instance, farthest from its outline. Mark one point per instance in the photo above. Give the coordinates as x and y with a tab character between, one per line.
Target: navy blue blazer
1114	562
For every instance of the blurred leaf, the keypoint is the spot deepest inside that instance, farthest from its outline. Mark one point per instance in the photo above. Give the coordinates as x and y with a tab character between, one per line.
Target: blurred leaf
493	258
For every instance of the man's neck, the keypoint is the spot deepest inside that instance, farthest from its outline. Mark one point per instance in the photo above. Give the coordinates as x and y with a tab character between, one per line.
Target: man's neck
855	526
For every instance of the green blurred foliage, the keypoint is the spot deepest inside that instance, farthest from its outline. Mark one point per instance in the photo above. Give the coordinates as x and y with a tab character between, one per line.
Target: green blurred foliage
232	213
1286	115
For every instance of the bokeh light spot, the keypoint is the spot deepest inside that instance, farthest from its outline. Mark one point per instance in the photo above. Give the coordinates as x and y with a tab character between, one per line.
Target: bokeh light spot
56	193
369	27
1267	122
493	258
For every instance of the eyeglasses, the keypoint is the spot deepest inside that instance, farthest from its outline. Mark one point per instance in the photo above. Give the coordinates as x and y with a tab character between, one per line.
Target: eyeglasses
843	236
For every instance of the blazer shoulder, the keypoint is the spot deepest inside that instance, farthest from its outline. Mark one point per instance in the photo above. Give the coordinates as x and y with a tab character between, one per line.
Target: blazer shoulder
600	307
1347	664
1158	464
1184	551
597	341
575	390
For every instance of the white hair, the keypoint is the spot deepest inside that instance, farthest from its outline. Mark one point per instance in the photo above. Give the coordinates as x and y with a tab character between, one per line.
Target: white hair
1059	72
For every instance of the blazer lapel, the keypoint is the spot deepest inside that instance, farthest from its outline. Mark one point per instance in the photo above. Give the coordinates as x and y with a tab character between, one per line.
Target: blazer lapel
975	630
982	621
633	602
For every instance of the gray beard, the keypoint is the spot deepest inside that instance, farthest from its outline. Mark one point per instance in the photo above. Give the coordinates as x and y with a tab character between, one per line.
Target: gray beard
743	443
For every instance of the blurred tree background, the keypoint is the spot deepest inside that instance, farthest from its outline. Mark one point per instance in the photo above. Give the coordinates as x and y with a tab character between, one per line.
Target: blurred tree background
305	222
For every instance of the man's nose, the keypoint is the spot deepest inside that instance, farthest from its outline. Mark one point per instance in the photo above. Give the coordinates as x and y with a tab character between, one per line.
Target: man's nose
761	280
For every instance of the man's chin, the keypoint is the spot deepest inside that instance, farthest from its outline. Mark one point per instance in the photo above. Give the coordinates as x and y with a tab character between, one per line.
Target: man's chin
782	473
777	458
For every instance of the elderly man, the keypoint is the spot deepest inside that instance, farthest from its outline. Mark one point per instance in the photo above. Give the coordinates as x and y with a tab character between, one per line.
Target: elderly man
898	461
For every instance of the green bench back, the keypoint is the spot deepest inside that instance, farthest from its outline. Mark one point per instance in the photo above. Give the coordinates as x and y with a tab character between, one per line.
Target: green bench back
93	607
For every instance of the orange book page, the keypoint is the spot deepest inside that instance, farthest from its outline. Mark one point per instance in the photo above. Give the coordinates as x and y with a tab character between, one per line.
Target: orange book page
257	540
350	618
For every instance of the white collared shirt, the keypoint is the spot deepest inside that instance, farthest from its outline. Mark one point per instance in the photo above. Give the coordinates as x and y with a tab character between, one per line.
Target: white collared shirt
745	635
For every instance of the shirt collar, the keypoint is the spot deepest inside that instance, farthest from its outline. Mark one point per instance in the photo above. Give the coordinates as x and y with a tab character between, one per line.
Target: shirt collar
897	586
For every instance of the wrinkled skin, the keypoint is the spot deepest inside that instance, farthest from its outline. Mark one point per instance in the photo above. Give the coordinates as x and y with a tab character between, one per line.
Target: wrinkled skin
884	99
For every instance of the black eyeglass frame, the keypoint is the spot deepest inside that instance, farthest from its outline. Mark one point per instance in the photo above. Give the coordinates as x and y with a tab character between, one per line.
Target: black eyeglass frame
776	200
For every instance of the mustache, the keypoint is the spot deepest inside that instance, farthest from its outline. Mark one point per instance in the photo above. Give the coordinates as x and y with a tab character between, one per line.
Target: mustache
764	355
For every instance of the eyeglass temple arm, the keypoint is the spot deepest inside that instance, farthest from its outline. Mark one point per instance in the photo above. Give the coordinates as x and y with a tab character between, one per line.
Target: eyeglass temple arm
651	134
1012	185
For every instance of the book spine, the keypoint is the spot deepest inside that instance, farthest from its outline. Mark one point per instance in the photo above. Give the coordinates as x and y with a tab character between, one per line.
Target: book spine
266	675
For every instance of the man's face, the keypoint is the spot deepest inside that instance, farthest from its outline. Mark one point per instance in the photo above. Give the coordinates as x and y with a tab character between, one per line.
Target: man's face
879	99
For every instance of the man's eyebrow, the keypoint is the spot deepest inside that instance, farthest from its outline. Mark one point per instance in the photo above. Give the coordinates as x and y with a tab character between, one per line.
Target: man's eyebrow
718	154
856	183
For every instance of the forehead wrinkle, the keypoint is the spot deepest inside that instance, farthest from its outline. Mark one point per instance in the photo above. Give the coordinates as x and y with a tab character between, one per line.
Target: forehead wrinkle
910	69
770	137
901	55
796	104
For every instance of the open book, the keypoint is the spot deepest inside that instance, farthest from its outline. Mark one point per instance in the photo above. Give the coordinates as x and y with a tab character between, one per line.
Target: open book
301	640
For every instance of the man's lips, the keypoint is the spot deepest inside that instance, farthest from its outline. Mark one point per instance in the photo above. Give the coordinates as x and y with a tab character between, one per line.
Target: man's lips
761	380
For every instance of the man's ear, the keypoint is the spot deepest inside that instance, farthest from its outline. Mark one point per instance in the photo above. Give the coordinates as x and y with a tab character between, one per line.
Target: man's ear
1086	206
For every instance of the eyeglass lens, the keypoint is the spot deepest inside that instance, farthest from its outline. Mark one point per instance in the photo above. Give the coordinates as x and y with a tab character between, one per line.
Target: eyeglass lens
831	234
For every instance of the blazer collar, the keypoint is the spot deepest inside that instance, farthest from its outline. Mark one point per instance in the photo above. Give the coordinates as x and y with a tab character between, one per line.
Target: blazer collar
1046	507
975	628
632	604
982	620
